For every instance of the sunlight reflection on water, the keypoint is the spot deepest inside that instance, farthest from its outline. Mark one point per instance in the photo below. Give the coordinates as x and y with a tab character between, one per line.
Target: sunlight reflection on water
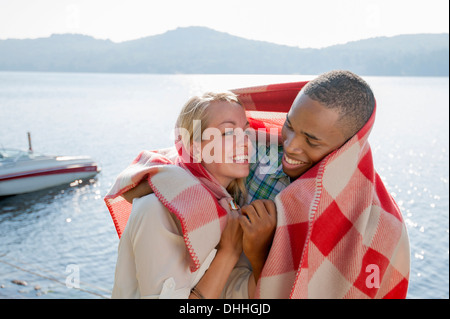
113	117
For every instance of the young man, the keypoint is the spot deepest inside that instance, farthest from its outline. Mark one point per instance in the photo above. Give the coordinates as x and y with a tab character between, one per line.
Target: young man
327	112
328	213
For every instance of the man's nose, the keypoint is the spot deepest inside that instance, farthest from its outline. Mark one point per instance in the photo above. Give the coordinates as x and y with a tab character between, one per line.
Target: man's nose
293	144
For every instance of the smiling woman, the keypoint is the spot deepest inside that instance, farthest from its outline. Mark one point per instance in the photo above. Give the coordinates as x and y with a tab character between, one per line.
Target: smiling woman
228	154
191	210
209	129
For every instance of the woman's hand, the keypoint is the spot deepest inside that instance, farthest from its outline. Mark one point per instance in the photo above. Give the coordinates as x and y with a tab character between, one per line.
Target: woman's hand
229	250
231	239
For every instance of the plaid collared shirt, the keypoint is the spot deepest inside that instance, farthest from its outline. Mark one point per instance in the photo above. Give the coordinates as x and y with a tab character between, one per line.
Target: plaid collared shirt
266	178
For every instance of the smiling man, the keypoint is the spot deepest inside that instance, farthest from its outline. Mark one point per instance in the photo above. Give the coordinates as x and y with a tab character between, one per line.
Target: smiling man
336	222
327	112
312	134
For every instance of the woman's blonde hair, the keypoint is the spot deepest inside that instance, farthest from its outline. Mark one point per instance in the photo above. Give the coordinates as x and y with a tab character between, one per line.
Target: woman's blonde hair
194	110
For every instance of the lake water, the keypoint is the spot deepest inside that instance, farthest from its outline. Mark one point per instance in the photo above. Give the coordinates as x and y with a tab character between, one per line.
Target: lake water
50	237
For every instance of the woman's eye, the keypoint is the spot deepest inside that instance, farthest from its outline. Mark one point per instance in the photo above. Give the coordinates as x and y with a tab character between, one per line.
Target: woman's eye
228	133
249	132
288	126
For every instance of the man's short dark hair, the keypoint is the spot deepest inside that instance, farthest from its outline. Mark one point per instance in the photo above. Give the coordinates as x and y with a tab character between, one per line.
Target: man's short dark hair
347	93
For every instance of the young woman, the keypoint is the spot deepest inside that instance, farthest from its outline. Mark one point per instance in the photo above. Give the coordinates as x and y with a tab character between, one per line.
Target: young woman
183	240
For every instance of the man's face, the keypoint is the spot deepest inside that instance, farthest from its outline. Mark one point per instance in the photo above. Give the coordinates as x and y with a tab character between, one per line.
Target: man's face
309	134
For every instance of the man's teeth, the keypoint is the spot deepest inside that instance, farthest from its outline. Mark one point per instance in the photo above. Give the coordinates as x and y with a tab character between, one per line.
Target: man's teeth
293	162
240	158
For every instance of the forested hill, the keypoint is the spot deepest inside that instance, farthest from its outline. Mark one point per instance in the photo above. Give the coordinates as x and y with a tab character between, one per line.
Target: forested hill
202	50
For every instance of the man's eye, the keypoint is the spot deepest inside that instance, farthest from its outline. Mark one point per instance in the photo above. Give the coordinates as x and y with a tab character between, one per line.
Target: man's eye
310	143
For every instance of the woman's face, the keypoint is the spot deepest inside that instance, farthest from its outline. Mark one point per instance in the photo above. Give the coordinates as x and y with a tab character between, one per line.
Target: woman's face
225	144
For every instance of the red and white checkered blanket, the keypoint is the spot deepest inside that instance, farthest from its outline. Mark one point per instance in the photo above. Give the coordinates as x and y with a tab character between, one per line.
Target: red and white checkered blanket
186	189
339	234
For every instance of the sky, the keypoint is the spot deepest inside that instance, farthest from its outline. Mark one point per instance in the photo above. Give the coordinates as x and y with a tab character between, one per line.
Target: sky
299	23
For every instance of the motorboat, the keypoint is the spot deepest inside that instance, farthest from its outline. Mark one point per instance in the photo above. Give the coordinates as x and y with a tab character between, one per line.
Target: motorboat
27	171
24	172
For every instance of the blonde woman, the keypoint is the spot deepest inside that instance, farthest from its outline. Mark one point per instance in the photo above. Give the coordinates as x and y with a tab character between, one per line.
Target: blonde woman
174	234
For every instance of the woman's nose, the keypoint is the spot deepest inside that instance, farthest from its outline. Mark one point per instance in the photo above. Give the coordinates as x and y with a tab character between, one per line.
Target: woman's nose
241	137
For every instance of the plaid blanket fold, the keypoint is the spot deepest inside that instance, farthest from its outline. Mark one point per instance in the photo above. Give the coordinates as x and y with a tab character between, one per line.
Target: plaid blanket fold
339	234
199	212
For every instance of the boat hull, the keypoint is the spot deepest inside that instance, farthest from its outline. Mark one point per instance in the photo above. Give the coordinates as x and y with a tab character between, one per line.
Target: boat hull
30	176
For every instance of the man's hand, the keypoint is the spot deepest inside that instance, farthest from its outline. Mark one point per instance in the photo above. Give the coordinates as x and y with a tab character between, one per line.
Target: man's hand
258	221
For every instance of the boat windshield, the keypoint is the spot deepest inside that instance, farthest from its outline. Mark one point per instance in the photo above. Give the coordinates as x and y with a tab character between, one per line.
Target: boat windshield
13	155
